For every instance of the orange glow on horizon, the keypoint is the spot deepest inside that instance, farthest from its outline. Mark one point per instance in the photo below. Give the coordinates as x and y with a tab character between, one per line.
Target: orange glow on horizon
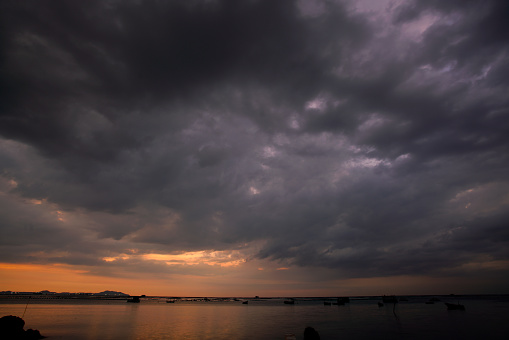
63	278
243	281
66	278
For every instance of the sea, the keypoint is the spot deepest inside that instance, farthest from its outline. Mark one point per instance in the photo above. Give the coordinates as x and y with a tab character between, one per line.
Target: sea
484	317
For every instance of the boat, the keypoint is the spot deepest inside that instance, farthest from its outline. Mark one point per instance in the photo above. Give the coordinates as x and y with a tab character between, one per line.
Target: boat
134	299
432	301
245	302
289	302
389	299
454	306
170	301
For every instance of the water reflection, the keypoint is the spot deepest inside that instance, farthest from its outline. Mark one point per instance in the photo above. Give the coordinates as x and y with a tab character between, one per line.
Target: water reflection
258	320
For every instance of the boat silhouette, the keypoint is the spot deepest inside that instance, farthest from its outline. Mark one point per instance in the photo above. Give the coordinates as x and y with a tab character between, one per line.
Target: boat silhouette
454	306
134	299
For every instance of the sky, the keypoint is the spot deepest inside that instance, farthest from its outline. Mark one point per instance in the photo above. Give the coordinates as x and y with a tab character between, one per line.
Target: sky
256	147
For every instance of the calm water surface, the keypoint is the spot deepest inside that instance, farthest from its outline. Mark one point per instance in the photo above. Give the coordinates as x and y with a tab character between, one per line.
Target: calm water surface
484	318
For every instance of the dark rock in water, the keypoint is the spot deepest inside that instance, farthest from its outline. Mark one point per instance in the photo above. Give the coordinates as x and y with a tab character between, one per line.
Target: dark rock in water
311	334
11	328
33	334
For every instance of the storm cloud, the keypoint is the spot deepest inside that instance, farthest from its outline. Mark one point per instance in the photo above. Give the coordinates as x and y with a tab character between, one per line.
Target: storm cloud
364	138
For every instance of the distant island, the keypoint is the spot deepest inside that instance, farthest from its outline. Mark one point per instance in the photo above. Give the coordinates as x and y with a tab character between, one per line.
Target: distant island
47	293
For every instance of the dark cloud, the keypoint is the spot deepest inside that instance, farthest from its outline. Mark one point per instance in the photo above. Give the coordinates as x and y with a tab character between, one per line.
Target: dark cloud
366	142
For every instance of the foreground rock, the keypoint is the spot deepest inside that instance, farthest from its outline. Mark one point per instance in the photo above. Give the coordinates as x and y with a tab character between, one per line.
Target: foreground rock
11	328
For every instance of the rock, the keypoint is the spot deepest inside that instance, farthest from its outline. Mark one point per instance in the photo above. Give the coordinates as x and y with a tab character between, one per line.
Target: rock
11	328
311	334
33	334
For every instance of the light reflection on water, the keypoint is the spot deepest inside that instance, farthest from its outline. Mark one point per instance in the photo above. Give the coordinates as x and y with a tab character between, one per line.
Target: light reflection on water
361	319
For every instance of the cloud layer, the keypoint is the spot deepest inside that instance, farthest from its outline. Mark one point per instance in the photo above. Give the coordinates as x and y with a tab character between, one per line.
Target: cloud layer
363	138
